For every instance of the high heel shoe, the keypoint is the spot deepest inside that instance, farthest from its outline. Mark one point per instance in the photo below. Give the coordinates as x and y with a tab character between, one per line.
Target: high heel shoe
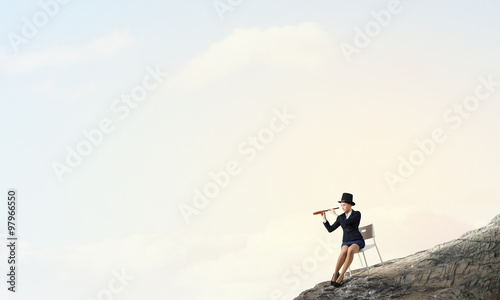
336	277
335	283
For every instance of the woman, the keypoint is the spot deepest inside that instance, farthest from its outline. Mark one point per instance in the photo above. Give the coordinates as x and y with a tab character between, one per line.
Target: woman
352	239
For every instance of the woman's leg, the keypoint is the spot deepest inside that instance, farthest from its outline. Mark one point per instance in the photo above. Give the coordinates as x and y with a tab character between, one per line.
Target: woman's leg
348	260
340	261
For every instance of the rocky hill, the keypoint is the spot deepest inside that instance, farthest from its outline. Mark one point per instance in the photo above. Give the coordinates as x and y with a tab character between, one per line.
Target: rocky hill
465	268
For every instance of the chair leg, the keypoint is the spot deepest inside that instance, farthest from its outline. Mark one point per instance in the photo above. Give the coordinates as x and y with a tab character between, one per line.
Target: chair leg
378	253
366	264
359	256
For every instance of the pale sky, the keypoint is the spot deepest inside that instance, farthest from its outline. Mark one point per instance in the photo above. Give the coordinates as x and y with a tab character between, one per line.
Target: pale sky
167	150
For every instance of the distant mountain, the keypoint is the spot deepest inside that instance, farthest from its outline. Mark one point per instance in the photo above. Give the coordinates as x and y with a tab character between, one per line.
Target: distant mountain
465	268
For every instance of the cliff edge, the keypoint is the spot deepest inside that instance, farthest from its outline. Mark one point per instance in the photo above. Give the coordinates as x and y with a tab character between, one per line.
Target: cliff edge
465	268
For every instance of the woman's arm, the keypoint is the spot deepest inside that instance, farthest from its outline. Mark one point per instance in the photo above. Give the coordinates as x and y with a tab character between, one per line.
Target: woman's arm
329	227
324	217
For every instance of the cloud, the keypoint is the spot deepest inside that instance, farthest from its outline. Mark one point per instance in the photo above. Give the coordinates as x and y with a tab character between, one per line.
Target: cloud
307	45
139	253
28	61
68	93
153	250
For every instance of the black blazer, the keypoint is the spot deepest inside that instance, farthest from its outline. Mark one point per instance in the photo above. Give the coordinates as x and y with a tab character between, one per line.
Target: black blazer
350	226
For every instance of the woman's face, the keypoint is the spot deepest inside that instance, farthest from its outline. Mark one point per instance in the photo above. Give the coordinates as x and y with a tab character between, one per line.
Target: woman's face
346	207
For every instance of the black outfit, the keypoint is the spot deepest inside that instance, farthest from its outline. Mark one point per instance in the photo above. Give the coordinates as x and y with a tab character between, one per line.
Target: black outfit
350	227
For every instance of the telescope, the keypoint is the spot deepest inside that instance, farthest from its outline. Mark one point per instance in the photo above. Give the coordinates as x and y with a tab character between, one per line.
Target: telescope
322	211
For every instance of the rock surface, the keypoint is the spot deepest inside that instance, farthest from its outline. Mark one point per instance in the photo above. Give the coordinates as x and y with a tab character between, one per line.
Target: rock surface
465	268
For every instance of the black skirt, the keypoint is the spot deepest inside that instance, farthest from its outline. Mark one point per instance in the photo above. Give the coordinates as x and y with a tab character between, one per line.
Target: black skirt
360	243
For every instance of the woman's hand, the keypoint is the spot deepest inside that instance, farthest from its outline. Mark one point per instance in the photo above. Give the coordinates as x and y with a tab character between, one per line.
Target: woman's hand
324	217
333	211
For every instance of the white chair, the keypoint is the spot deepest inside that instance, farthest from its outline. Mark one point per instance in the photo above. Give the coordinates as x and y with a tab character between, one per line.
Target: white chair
368	233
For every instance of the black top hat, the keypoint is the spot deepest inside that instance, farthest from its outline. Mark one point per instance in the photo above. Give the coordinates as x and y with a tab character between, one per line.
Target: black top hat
347	198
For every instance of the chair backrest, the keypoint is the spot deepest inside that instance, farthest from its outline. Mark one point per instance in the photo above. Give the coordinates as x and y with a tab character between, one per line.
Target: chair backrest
367	231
